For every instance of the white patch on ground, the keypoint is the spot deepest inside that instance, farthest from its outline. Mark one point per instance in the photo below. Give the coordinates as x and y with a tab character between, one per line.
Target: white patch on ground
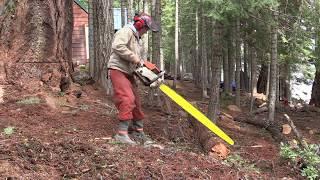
301	90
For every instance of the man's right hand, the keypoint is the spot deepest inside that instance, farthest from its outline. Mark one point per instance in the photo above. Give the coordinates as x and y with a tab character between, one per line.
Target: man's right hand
136	59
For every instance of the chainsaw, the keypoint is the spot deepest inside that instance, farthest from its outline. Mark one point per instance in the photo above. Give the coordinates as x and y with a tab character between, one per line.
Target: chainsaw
150	76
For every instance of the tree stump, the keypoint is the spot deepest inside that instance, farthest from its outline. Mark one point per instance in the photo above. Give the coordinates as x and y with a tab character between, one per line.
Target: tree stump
205	137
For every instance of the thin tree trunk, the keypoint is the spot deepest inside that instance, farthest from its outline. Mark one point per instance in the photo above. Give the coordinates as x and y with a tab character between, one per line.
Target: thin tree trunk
204	67
226	78
91	38
238	62
156	37
249	66
278	84
273	69
231	57
123	12
214	103
197	74
176	43
253	77
145	38
268	80
245	61
130	11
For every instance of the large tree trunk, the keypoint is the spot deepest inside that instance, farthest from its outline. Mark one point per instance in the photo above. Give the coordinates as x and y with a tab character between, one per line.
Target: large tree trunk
315	96
35	43
102	38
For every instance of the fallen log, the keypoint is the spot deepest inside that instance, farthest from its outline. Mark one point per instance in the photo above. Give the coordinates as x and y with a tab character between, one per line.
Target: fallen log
205	137
260	110
273	127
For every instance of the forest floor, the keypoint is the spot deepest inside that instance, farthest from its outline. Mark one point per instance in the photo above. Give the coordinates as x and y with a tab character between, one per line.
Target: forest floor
60	136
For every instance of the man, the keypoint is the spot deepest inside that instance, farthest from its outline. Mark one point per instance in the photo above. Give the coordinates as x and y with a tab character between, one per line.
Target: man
125	56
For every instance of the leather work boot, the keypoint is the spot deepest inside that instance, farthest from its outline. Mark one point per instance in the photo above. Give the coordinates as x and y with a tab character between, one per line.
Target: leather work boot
142	138
125	139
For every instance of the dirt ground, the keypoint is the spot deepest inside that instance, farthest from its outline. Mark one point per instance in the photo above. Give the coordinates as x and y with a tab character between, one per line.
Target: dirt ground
60	136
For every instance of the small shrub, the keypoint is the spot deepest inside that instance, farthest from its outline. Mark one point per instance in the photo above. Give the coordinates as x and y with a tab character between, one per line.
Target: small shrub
30	100
237	161
307	158
8	130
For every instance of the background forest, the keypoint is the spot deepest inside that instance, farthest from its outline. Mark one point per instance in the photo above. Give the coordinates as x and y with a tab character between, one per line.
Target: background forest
252	66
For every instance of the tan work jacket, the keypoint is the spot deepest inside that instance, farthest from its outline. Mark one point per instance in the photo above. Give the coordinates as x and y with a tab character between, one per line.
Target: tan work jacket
124	46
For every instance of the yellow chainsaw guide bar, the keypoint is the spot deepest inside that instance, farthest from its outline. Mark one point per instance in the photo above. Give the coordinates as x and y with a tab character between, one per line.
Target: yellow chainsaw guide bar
195	113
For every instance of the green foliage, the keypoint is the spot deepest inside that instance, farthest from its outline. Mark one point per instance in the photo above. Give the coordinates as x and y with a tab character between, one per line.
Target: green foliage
223	9
30	100
309	156
10	7
237	161
116	4
61	94
84	3
8	130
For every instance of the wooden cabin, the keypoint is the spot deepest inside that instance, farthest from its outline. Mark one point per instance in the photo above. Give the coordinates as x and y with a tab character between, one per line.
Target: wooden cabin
80	34
80	42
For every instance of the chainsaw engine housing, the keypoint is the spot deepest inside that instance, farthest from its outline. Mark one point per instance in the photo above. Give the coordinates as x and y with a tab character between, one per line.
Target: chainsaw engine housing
149	74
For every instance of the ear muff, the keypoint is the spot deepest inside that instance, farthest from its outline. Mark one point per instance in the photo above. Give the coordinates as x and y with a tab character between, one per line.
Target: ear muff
139	23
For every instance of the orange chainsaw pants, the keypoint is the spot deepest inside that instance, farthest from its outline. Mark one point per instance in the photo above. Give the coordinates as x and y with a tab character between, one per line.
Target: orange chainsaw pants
125	96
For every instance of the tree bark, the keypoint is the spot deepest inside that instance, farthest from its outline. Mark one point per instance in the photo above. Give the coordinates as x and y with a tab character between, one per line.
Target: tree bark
238	62
226	78
315	96
253	76
123	12
35	44
156	37
176	45
231	56
204	60
214	103
130	11
263	79
103	35
197	68
273	70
